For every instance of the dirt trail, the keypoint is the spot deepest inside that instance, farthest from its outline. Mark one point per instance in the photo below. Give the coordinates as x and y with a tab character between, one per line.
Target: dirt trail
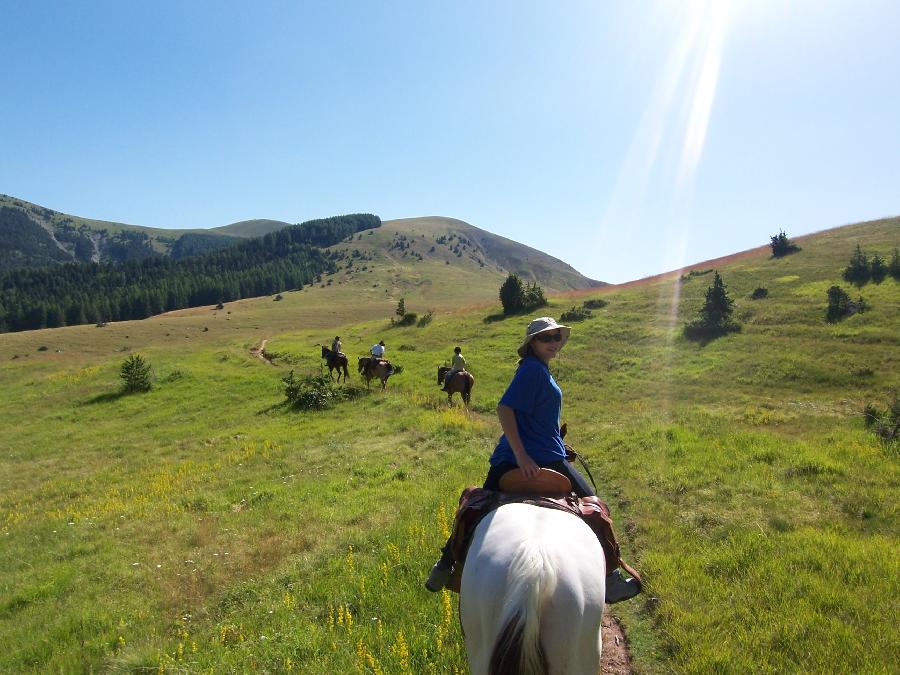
260	352
615	659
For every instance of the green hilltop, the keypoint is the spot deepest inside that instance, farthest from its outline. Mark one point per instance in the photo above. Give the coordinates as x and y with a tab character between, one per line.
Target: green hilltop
204	525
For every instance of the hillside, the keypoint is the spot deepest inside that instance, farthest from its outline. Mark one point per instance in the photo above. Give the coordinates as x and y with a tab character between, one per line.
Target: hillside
35	236
250	228
239	535
445	262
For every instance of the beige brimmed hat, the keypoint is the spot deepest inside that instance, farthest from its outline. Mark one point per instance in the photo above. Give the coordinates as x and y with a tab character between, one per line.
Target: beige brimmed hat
542	325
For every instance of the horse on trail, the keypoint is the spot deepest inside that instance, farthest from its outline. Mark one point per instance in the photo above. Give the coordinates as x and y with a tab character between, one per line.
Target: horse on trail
532	593
461	382
335	361
370	369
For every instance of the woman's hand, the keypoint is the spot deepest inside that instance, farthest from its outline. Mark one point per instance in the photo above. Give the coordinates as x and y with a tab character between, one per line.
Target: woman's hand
528	466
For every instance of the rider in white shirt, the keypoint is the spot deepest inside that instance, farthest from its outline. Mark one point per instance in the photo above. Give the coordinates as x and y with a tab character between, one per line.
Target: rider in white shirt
377	351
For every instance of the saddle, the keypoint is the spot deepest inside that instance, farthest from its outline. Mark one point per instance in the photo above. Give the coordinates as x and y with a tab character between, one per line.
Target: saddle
550	489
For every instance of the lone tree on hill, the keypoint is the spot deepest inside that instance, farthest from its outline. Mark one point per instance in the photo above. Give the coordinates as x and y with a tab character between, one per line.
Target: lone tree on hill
782	246
714	318
136	374
512	294
518	297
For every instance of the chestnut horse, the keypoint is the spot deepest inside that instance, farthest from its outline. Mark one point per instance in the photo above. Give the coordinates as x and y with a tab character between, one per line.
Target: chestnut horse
335	360
380	369
532	593
462	381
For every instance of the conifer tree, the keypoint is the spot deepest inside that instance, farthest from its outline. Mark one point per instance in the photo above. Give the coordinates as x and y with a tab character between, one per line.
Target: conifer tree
512	294
714	318
878	269
858	271
135	372
782	246
717	307
894	265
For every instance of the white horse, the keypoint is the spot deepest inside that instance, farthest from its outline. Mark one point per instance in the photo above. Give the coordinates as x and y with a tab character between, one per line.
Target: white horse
532	593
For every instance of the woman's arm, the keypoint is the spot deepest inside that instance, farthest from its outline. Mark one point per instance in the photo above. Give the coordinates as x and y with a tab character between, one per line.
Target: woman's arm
508	423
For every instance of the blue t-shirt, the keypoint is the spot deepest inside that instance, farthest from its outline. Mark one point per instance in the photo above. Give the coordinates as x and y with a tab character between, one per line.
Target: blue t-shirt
537	401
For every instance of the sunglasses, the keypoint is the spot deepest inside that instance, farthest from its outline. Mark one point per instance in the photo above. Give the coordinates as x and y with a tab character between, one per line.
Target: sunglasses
548	337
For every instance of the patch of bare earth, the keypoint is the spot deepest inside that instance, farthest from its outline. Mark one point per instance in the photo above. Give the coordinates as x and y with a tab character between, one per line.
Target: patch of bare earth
615	658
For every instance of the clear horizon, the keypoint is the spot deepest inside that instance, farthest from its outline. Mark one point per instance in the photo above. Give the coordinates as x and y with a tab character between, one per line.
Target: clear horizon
625	140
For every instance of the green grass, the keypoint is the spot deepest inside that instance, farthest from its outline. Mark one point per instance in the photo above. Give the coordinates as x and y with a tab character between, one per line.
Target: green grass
204	526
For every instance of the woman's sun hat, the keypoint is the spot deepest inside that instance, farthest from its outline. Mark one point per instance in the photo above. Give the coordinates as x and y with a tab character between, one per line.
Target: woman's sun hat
542	325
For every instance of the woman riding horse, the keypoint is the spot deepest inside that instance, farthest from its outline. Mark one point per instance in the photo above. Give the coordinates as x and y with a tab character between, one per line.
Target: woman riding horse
529	413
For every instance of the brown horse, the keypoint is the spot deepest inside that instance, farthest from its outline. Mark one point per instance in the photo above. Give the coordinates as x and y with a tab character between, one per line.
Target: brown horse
335	360
371	368
463	381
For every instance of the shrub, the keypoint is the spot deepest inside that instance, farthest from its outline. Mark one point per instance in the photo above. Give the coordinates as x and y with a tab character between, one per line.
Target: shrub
596	303
884	423
782	246
426	319
759	293
135	372
408	319
316	392
575	314
838	304
278	297
517	297
695	273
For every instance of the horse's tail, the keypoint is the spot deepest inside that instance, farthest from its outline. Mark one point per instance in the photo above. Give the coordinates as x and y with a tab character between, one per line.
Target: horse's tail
470	380
518	649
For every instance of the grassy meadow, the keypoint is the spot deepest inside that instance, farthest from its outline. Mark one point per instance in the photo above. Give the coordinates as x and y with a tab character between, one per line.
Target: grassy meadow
206	527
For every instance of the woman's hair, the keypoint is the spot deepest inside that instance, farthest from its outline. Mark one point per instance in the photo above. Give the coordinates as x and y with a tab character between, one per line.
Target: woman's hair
457	349
529	351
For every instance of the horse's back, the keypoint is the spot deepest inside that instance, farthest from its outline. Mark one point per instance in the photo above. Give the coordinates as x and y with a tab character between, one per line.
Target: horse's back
548	563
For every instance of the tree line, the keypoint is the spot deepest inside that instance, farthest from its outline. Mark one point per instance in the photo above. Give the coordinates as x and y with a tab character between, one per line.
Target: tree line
79	293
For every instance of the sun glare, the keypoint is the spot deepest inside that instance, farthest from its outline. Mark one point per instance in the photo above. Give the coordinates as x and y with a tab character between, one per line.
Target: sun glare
668	142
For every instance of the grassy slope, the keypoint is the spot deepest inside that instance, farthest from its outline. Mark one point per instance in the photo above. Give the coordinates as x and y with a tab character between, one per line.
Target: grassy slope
739	473
250	228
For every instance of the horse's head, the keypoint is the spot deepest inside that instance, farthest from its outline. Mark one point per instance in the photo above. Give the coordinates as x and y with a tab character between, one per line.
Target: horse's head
325	351
363	362
442	371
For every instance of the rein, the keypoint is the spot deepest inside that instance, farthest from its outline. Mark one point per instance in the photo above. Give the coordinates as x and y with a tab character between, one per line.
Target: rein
571	455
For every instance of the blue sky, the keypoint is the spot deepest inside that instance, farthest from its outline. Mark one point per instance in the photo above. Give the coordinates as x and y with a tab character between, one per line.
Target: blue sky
624	138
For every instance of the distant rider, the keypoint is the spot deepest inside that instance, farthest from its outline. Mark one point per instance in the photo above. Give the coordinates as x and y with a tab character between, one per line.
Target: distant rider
377	351
336	345
458	365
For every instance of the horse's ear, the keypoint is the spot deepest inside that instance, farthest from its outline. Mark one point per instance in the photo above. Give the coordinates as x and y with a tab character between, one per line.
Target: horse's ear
563	430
